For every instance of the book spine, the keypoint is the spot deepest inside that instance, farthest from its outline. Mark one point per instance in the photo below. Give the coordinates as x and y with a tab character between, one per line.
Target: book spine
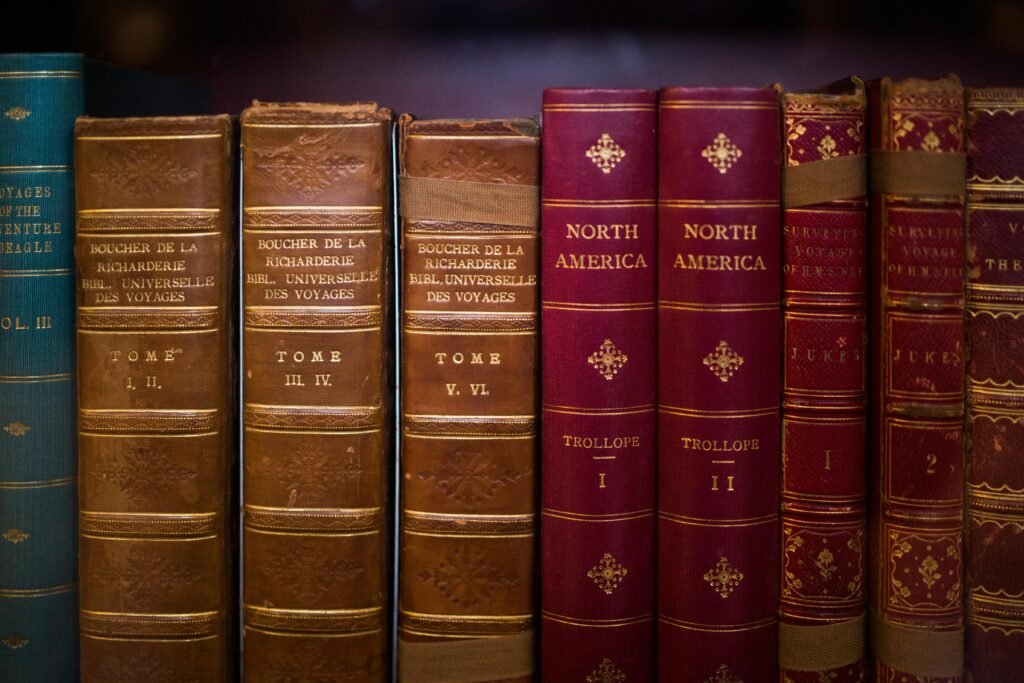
995	384
719	358
154	248
824	410
316	236
599	234
469	400
917	374
40	96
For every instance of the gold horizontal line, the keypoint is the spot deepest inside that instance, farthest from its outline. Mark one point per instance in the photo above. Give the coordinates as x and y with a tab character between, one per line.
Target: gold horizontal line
177	136
480	136
698	521
470	617
461	436
29	379
603	309
37	592
45	168
717	204
314	534
313	208
122	639
313	432
497	418
715	628
37	271
145	210
598	519
596	623
579	410
38	483
457	534
600	203
600	106
694	412
642	305
57	73
492	333
134	536
720	308
351	124
715	103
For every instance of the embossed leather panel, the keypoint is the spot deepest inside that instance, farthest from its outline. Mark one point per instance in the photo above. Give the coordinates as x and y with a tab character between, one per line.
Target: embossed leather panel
995	384
824	389
155	248
600	371
719	356
316	245
917	374
470	400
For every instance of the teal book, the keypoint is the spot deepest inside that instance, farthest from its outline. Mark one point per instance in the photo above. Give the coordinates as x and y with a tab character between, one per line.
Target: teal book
41	95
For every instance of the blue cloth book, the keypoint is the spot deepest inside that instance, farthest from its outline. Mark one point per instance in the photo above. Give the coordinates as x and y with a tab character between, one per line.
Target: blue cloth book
41	95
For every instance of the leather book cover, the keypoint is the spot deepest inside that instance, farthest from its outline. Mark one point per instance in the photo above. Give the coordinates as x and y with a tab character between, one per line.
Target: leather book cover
824	405
598	360
719	359
994	552
469	203
155	249
316	246
916	142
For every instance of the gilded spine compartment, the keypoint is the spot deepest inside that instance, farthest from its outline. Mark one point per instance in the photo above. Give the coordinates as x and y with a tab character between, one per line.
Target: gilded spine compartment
719	356
469	203
316	231
600	371
824	409
995	384
916	142
155	246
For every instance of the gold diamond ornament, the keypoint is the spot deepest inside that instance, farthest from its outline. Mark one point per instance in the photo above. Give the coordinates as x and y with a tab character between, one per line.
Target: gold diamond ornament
723	362
607	672
608	573
17	428
17	113
606	153
723	577
14	536
722	153
608	359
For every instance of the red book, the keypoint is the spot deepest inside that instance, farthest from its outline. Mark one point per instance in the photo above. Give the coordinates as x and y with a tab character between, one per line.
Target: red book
599	371
917	376
995	384
719	354
824	408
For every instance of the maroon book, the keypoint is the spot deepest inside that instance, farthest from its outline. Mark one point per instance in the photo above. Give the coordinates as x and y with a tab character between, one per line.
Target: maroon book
916	139
599	221
719	352
995	384
824	409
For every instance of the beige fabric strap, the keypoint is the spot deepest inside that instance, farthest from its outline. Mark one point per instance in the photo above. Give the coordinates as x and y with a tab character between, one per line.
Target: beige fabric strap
918	172
916	651
823	647
437	199
467	661
816	182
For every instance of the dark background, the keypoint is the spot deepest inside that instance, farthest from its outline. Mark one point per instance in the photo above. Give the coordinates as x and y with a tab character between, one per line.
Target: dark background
480	58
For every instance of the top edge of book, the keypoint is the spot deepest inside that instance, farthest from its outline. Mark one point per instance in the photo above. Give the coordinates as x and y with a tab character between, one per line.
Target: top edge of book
515	127
306	112
219	124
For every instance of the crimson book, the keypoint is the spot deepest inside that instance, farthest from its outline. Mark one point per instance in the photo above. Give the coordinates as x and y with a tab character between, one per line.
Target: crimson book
599	221
916	138
824	408
719	358
995	384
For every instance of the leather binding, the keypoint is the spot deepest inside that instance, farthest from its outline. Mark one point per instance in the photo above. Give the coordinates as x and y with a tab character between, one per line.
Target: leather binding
469	373
719	359
316	236
995	384
155	249
917	333
599	367
824	409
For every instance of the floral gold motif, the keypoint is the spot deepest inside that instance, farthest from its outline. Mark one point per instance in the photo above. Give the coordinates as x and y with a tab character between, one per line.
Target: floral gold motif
723	362
143	169
17	428
17	113
309	574
311	165
722	153
15	535
825	563
723	675
927	570
930	142
608	573
470	477
606	153
608	359
723	577
827	147
143	471
607	672
15	641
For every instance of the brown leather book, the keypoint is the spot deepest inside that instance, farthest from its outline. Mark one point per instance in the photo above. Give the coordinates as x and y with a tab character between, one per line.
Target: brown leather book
156	397
469	201
316	236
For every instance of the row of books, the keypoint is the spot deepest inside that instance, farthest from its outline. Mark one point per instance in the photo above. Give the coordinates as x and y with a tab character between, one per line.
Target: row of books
681	479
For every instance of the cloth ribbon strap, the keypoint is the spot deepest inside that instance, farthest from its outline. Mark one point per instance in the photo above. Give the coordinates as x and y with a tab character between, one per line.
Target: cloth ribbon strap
909	172
821	647
437	199
817	182
467	661
916	651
